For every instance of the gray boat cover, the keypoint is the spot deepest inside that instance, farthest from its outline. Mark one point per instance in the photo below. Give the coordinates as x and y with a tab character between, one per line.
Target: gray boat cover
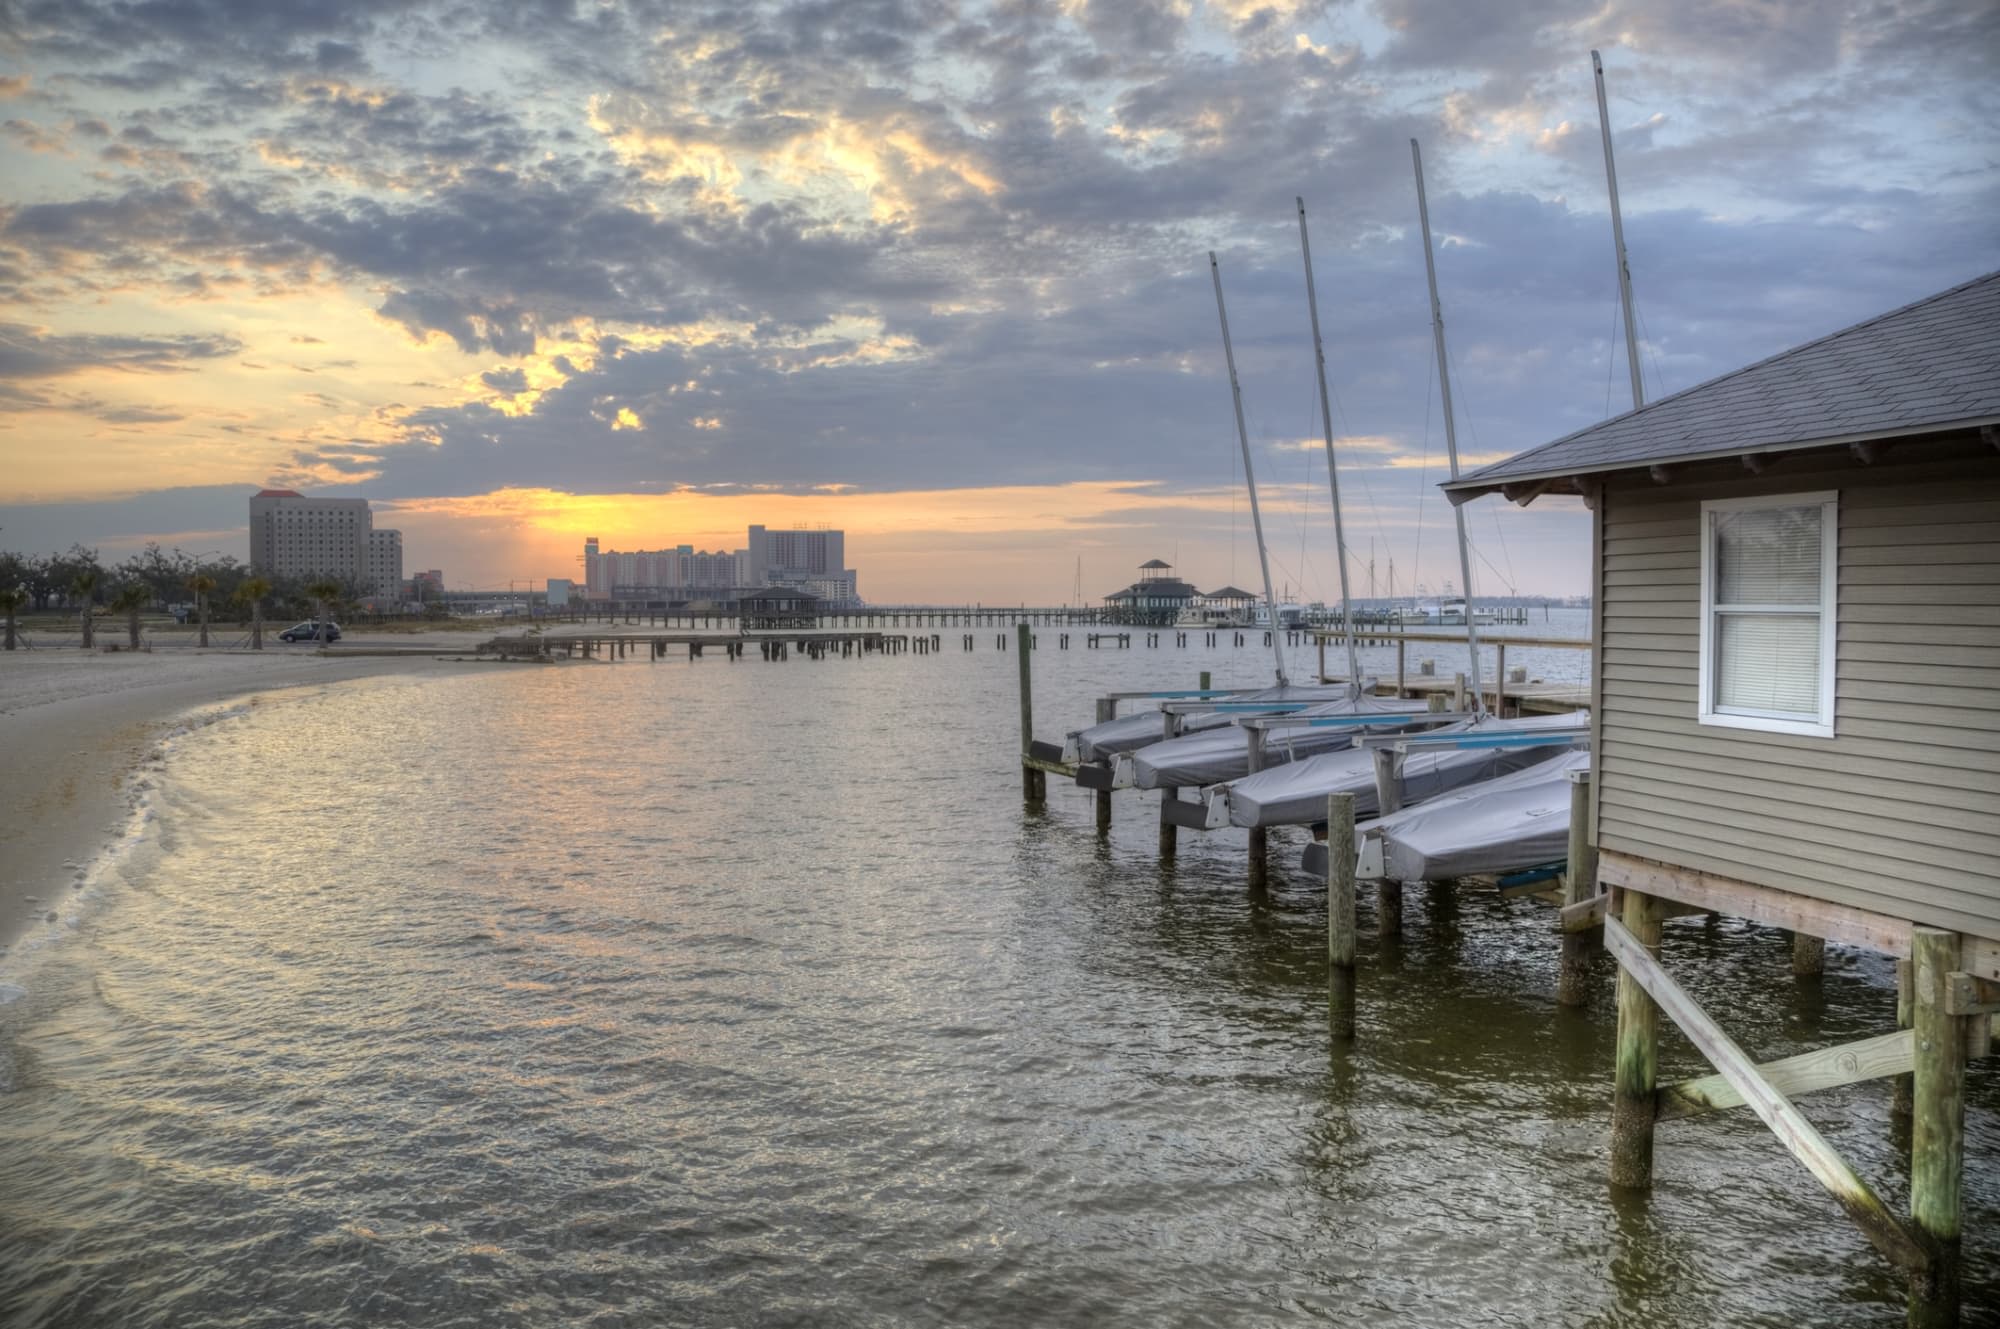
1295	795
1128	733
1219	754
1501	825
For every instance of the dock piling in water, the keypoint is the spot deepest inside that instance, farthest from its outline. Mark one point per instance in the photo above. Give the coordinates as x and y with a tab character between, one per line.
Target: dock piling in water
1579	884
1937	1130
1635	1076
1340	927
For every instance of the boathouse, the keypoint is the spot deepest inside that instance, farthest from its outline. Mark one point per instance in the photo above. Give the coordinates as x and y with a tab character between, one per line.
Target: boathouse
1157	597
777	608
1796	714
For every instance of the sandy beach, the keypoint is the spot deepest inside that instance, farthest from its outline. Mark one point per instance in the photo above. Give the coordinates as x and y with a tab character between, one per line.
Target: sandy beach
76	725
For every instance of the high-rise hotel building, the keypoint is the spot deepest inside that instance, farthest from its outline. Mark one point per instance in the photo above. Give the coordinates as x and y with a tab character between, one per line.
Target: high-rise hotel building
809	560
292	536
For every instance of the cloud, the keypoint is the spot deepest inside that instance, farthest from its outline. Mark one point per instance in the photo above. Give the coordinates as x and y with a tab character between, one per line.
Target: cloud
35	353
898	245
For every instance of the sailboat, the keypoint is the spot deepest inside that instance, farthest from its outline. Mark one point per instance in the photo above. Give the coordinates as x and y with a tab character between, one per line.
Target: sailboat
1191	721
1284	794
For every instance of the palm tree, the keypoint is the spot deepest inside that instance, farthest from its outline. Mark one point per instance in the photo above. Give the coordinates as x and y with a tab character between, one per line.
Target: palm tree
131	598
84	584
12	600
252	591
324	592
201	584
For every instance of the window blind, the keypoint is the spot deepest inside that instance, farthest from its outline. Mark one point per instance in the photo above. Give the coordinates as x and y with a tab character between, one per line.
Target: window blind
1767	556
1768	662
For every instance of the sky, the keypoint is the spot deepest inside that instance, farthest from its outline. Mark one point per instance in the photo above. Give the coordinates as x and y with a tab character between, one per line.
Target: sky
932	272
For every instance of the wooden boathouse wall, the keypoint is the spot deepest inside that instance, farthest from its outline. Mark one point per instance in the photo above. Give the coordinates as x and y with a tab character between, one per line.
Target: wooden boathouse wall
1895	814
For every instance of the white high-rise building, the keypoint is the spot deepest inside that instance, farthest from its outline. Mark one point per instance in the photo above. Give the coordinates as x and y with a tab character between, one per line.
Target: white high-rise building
808	559
292	536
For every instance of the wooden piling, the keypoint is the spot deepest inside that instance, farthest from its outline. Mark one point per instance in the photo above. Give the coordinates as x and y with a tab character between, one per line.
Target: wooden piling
1579	884
1260	836
1458	692
1635	1074
1808	955
1900	1105
1031	785
1107	710
1340	928
1937	1128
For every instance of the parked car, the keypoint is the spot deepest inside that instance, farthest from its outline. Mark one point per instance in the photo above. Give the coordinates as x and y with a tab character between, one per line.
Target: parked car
311	632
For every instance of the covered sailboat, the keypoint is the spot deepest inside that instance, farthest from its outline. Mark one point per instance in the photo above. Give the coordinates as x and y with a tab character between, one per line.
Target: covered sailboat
1214	755
1296	794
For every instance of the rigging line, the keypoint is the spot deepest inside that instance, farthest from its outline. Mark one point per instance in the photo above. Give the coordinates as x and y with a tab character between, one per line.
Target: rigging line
1473	429
1659	374
1496	571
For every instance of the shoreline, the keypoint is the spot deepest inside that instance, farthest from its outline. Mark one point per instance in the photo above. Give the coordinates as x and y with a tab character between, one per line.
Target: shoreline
74	730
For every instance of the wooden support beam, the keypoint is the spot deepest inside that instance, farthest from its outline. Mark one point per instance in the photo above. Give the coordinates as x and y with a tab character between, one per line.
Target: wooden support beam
1583	915
1637	962
1840	923
1968	994
1809	1072
1756	462
1527	492
1589	913
1340	926
1660	474
1865	453
1590	490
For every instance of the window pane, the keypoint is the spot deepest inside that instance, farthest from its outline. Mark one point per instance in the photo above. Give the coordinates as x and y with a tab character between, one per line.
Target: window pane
1767	556
1768	662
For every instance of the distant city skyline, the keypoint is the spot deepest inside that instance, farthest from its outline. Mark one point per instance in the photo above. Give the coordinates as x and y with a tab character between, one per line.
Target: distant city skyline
939	282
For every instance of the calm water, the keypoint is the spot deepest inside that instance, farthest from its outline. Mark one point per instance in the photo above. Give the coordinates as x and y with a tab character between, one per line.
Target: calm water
712	994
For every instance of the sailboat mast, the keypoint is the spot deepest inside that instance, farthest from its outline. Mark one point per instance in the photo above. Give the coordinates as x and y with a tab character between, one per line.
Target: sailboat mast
1332	476
1618	239
1450	428
1249	476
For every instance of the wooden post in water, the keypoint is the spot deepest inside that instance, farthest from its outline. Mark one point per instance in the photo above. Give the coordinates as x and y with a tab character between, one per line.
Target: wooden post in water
1458	692
1937	1129
1635	1074
1170	727
1031	785
1900	1105
1388	799
1579	884
1808	955
1260	837
1107	710
1340	929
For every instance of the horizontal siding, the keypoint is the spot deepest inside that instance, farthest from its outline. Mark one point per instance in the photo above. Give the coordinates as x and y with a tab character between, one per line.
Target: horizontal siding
1900	811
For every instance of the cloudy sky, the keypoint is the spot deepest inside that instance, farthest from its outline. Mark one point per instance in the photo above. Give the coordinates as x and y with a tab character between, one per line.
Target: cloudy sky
932	271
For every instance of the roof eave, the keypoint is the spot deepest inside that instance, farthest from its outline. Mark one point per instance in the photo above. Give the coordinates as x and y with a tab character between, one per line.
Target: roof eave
1476	486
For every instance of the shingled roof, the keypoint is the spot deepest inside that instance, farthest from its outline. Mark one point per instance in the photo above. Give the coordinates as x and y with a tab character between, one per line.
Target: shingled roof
1927	366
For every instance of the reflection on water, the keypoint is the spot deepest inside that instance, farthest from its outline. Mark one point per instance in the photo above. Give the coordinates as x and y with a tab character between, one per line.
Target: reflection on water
711	993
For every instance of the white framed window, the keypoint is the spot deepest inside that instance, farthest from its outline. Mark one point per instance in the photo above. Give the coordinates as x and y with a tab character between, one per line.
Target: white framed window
1767	612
